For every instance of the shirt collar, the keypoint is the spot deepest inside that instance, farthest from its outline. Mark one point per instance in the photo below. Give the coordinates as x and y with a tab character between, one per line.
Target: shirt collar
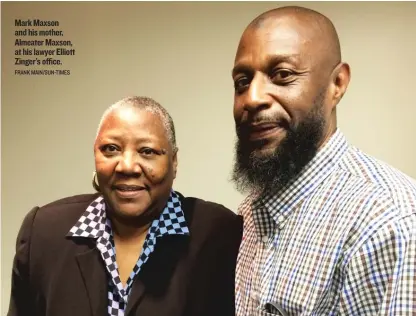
93	222
279	205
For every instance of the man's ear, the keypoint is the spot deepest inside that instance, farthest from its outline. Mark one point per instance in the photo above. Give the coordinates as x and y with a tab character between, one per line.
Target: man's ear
339	82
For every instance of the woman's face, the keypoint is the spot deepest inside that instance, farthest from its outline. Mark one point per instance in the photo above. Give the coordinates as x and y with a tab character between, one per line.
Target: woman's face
134	162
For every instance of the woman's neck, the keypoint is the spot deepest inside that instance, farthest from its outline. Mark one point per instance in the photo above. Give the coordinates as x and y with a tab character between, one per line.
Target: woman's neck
126	232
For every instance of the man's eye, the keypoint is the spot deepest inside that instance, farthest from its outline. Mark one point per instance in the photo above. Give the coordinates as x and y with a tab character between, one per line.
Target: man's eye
241	83
282	75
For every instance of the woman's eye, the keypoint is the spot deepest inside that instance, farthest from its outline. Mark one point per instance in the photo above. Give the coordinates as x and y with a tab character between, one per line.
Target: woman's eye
147	151
109	149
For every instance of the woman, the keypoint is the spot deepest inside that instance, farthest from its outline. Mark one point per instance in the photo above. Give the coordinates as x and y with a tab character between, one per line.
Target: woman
136	247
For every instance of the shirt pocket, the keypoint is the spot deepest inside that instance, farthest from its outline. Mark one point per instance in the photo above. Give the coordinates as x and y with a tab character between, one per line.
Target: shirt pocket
257	309
259	312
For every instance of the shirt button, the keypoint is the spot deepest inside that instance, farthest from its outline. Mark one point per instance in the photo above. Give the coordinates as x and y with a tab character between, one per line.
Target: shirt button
265	238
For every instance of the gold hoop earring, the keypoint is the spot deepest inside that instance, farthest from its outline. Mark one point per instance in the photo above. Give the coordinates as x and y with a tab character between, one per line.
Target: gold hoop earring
95	184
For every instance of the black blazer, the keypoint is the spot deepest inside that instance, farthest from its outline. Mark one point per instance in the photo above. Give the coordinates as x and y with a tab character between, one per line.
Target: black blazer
55	275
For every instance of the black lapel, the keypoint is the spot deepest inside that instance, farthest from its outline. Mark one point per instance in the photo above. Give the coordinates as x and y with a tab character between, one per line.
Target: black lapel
95	279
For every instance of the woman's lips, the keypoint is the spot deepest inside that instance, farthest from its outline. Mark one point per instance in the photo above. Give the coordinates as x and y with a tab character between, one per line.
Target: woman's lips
128	191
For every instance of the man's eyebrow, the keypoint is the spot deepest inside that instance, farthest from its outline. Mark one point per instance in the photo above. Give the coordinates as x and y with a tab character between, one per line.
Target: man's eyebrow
282	58
270	60
240	68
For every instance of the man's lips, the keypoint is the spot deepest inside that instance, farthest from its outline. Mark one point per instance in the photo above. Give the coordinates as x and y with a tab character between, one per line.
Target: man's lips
262	126
262	130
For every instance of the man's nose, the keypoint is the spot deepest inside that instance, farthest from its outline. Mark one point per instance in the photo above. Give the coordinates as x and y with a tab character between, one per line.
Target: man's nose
257	97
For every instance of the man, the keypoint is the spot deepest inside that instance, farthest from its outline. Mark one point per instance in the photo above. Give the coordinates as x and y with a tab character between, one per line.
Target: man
328	230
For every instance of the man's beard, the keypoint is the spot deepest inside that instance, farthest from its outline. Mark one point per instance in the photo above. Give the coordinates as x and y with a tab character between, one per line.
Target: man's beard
255	172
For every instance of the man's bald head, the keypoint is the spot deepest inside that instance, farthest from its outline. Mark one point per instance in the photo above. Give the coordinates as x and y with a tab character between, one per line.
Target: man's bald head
321	30
288	79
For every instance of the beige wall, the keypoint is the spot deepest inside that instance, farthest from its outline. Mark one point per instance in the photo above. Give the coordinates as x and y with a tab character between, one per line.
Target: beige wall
181	54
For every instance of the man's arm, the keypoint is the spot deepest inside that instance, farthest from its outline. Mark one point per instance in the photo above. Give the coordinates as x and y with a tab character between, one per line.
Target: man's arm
21	298
381	277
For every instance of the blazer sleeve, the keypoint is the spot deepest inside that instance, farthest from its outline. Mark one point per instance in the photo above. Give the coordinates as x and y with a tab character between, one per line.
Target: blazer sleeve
224	283
21	299
219	259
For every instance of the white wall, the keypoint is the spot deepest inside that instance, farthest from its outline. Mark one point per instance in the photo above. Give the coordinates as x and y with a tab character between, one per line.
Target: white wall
181	54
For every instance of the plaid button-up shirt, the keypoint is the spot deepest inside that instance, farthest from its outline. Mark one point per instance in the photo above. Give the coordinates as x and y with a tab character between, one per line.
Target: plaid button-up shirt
340	239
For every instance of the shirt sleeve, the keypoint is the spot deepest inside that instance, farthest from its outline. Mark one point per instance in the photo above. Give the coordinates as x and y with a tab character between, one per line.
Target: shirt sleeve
380	279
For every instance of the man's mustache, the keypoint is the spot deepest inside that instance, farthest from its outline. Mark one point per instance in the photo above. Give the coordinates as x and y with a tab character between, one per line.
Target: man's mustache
246	127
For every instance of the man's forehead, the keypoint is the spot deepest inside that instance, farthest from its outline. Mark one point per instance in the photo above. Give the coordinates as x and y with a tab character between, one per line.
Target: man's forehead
281	38
286	33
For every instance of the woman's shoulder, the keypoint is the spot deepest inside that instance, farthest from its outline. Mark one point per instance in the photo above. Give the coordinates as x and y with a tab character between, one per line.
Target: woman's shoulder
64	211
200	213
205	207
78	199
